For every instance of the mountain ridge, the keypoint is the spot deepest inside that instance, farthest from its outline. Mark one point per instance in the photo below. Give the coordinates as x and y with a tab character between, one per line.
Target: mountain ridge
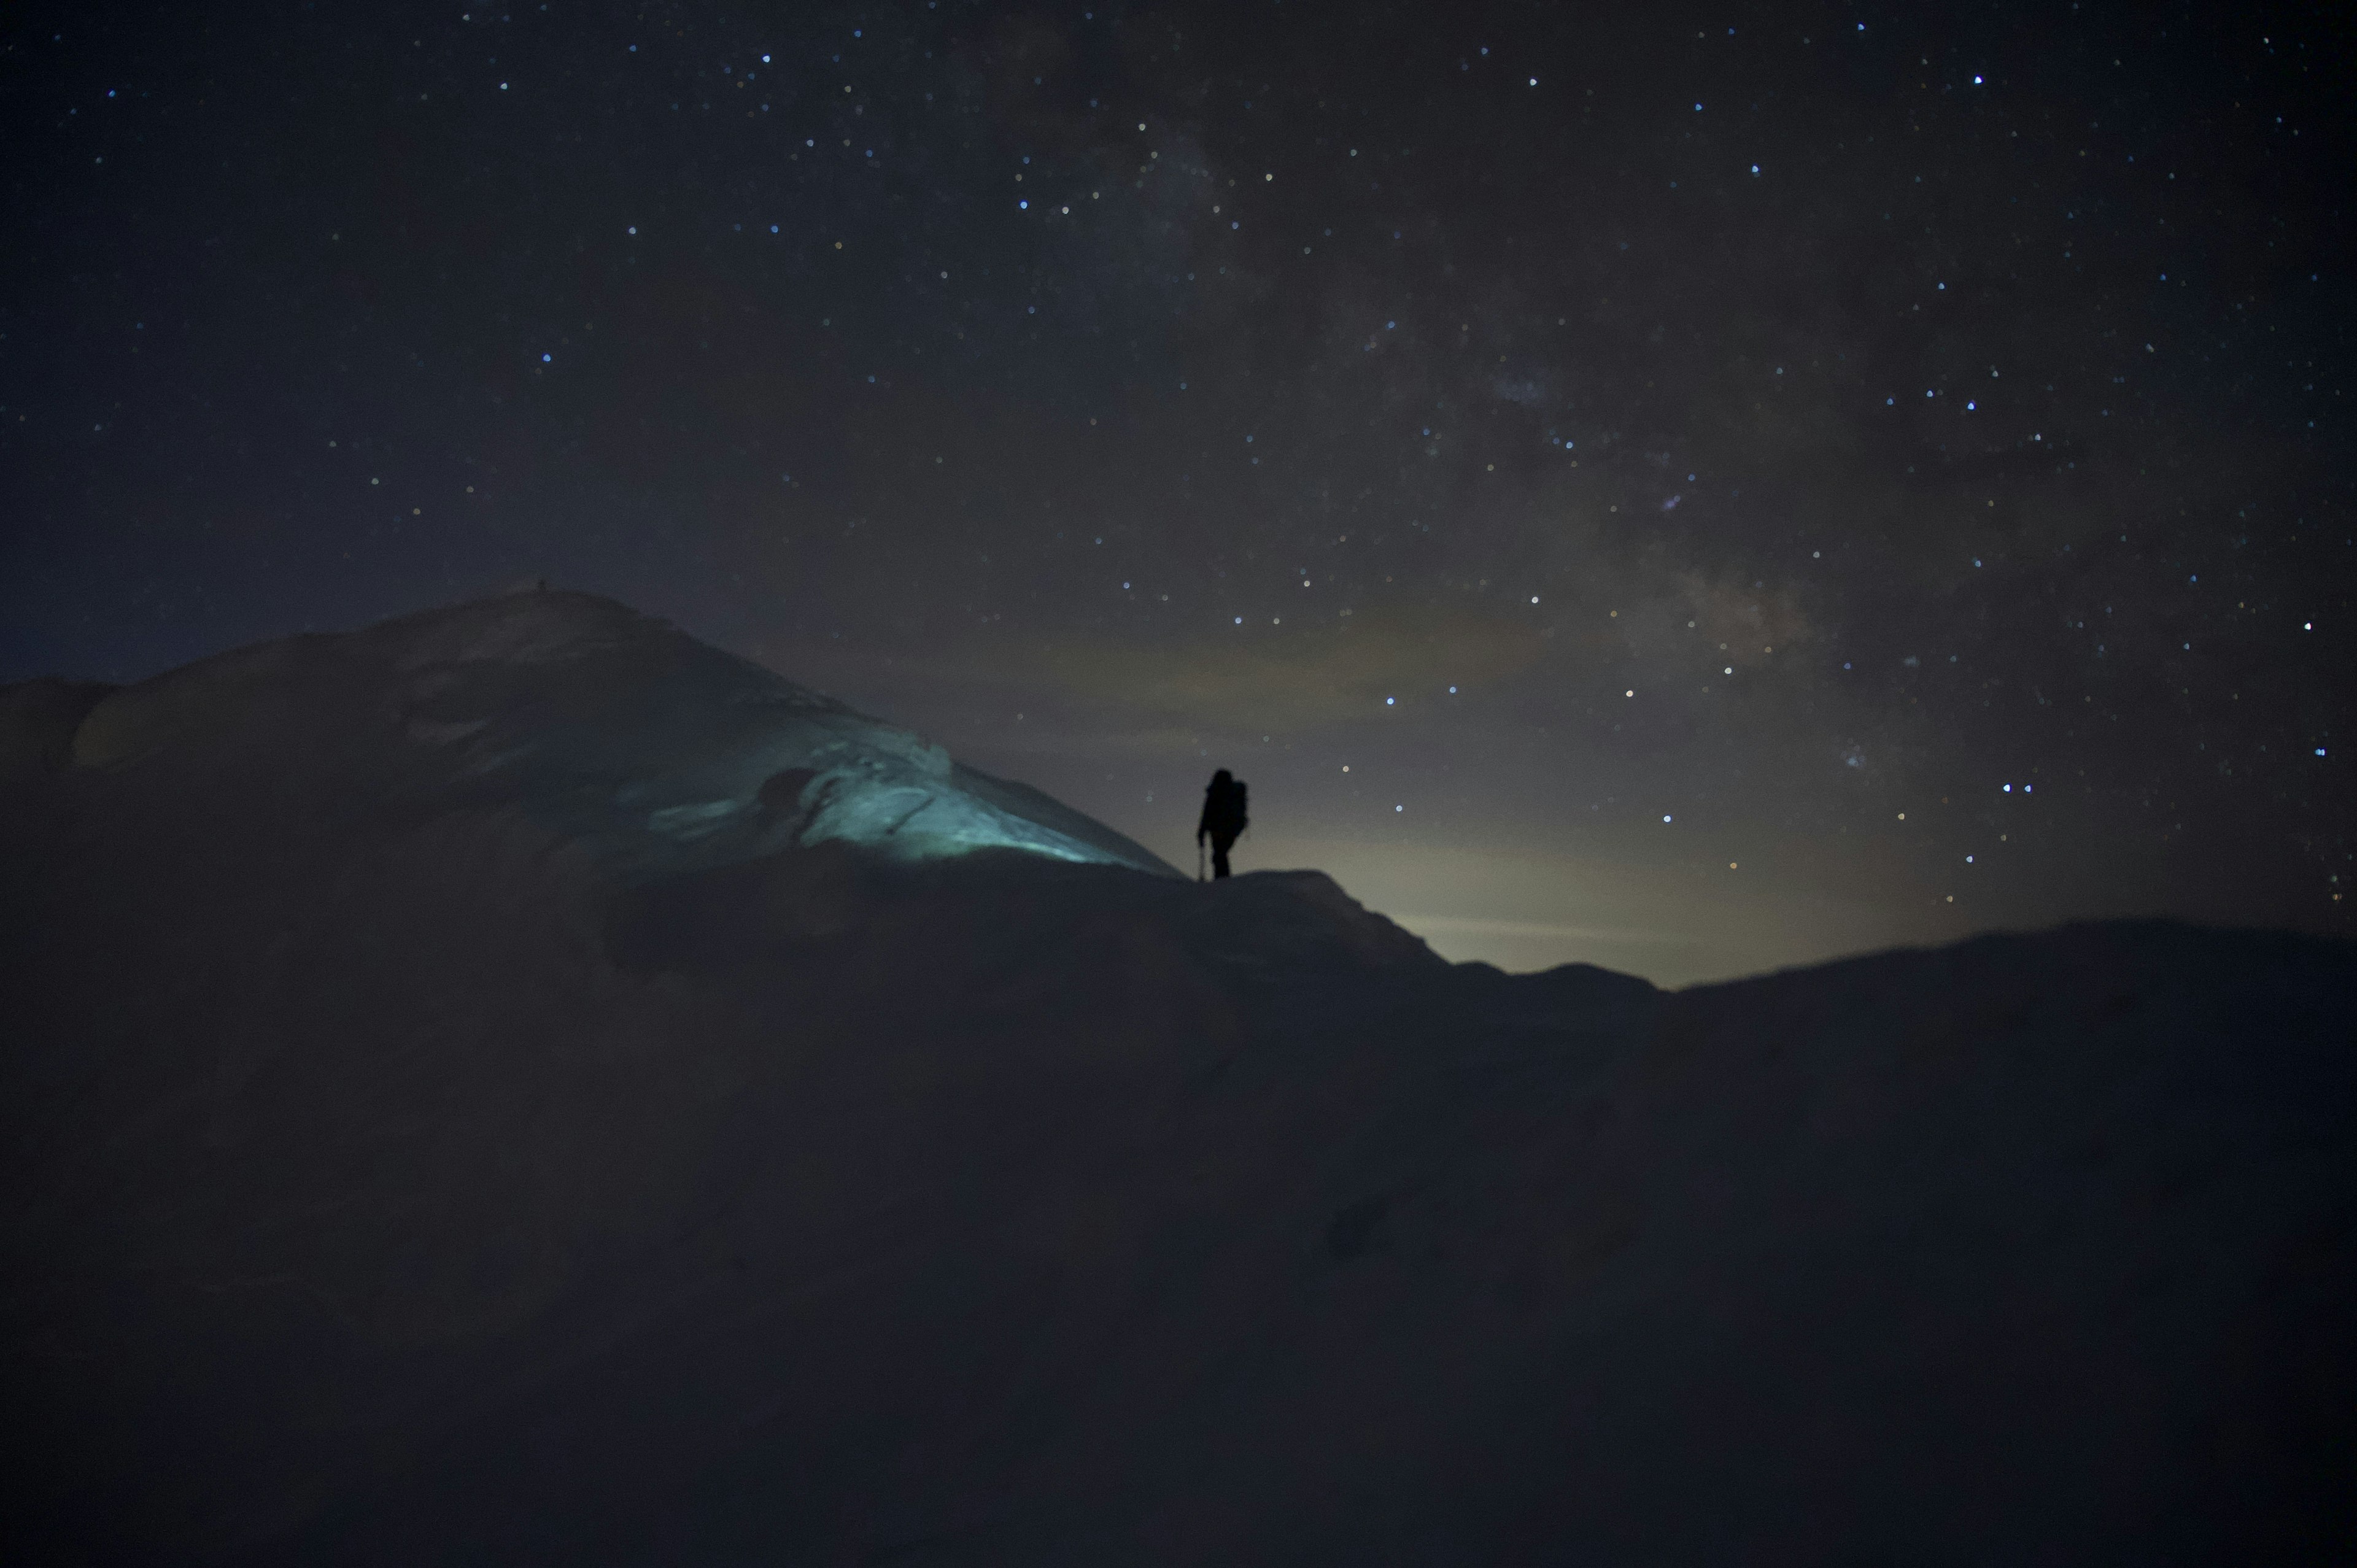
660	748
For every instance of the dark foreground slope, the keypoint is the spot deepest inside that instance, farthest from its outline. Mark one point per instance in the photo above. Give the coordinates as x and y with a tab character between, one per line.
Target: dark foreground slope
410	1162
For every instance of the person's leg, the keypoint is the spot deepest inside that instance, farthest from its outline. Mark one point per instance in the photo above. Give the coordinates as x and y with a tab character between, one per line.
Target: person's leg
1220	856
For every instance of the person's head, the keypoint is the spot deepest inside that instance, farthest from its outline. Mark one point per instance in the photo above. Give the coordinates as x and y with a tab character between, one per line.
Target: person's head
1222	776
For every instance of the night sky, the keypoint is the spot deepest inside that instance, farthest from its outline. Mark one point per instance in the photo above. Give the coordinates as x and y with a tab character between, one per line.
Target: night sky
1686	488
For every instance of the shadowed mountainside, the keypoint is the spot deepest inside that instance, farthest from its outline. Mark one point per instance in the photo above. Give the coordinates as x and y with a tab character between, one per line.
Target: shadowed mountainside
513	1084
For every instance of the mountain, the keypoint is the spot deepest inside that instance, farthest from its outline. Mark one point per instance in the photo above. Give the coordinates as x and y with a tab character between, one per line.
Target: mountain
651	750
514	1084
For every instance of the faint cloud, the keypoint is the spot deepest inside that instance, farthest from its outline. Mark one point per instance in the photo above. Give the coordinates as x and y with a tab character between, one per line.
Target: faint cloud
1454	925
1269	679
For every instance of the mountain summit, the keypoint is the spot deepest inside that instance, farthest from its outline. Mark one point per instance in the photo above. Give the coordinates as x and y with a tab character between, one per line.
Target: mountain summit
514	1084
662	751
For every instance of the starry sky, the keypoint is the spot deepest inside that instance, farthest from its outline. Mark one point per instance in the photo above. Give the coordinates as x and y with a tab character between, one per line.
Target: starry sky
1686	488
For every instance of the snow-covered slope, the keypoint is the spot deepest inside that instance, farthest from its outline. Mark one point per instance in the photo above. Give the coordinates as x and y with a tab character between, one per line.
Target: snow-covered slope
605	724
429	1138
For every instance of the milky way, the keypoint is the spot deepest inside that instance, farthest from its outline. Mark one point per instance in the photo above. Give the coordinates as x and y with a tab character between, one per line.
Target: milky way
1691	490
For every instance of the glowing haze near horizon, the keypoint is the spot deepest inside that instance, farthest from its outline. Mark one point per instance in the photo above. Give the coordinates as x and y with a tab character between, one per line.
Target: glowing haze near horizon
1691	490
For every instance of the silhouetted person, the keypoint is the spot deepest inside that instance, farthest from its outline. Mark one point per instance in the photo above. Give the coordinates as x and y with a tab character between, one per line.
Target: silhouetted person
1224	819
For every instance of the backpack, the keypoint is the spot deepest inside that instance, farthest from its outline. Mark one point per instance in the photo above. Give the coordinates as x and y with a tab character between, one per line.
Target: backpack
1224	807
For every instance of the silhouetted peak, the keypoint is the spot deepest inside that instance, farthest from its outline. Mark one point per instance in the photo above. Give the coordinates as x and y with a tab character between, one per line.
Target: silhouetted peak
609	727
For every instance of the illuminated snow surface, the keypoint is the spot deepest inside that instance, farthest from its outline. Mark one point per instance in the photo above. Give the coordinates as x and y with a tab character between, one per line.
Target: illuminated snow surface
515	1085
660	751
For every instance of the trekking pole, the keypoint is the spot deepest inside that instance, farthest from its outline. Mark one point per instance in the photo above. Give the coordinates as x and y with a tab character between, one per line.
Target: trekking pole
1198	860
